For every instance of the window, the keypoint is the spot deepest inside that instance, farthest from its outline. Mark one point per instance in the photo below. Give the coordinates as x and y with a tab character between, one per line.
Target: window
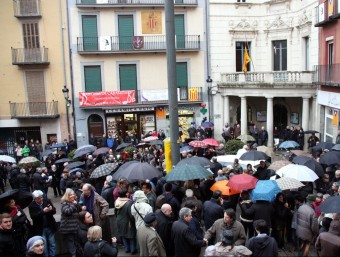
306	41
182	79
35	88
93	78
128	77
240	55
330	53
31	35
90	32
125	31
280	55
241	1
180	31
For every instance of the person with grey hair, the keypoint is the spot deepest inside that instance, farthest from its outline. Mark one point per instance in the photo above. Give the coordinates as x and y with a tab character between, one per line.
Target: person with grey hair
41	211
164	224
185	242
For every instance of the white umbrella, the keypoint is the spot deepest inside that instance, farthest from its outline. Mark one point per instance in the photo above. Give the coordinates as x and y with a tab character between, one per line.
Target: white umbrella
299	172
288	183
7	158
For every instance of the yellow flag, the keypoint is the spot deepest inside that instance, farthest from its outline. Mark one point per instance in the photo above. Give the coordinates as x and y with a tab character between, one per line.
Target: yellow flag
246	60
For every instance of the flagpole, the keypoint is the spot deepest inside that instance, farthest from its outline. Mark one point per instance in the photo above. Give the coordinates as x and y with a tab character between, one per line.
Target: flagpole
252	62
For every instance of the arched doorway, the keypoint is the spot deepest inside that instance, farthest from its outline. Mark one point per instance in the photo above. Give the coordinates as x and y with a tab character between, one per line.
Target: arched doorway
280	116
95	126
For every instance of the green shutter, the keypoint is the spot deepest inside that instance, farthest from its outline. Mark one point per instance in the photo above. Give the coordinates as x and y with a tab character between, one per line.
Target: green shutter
179	30
90	33
182	74
128	77
125	31
178	1
93	79
88	1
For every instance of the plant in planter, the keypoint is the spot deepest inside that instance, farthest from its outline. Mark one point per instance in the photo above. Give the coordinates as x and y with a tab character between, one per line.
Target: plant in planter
232	146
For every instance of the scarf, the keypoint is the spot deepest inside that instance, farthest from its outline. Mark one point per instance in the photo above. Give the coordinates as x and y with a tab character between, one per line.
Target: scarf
89	202
229	226
14	210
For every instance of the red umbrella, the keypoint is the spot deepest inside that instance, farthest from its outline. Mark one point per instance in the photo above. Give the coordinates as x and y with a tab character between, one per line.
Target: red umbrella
242	182
211	141
197	143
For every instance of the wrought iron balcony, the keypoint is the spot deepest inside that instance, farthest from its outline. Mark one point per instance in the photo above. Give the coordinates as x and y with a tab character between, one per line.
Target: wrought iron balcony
34	110
29	56
327	75
135	44
26	8
133	3
275	77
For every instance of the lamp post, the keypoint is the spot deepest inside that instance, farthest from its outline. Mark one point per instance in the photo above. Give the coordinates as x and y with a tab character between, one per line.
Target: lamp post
209	82
65	91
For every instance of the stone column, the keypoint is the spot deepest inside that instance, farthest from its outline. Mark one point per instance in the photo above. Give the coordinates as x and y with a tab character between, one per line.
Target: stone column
270	121
244	125
305	117
226	108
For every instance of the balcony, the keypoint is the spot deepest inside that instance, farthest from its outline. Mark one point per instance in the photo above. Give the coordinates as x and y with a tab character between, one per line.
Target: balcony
279	78
185	94
136	44
132	3
327	75
47	110
327	13
27	8
30	56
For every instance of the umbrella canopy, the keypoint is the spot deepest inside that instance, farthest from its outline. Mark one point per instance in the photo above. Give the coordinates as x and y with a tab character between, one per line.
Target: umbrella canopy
300	152
156	142
242	182
62	160
322	146
103	170
74	165
288	145
150	138
265	190
336	147
22	198
310	163
187	172
221	185
101	150
330	205
186	149
46	152
299	172
278	164
143	144
76	170
122	146
225	164
254	156
84	150
310	131
133	171
211	141
207	124
265	149
197	143
58	145
287	183
203	162
7	158
330	158
246	138
29	159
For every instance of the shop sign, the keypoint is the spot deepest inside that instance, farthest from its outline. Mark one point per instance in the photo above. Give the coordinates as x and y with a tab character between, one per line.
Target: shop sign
329	99
131	109
107	98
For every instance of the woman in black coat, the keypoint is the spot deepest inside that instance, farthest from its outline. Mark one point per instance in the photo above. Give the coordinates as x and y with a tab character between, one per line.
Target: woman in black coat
85	221
281	212
246	219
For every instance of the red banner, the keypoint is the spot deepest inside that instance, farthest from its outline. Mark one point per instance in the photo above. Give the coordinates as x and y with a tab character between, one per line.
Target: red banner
107	98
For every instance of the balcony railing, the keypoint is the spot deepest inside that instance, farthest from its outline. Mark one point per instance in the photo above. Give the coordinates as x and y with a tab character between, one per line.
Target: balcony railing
116	44
27	56
26	8
327	12
34	110
185	94
328	75
133	3
275	77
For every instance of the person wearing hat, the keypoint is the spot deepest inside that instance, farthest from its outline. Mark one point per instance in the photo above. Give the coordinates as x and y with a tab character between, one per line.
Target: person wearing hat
150	243
35	246
306	225
140	208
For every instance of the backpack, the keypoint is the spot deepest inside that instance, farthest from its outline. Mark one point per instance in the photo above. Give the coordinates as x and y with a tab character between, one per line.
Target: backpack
99	248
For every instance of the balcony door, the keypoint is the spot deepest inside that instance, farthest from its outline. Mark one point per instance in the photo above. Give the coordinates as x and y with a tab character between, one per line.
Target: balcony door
32	52
125	31
280	55
330	61
90	32
35	88
182	79
180	31
128	77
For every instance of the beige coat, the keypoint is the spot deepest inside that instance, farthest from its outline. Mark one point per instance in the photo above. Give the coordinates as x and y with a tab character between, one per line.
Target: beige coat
150	243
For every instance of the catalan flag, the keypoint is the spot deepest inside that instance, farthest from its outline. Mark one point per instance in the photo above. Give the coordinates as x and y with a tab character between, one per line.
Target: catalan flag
246	60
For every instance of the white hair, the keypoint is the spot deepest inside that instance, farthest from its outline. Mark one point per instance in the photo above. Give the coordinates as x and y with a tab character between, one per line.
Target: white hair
37	193
189	192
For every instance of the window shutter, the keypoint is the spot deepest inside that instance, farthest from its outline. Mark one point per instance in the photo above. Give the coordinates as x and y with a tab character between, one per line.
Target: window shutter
128	77
126	32
179	31
182	74
90	33
93	80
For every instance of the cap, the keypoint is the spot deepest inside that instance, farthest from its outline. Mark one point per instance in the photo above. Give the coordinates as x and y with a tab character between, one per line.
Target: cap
33	241
149	218
227	236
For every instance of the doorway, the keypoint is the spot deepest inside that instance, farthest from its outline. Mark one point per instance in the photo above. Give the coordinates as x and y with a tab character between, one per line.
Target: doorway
280	117
95	126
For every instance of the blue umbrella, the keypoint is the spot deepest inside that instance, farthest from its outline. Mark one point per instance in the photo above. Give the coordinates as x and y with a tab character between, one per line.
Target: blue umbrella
289	144
186	149
207	124
265	190
58	145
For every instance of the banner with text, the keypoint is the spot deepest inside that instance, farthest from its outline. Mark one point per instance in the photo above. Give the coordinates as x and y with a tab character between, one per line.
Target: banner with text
107	98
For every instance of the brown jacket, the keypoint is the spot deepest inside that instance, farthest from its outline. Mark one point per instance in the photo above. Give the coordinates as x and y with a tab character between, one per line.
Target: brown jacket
100	208
328	243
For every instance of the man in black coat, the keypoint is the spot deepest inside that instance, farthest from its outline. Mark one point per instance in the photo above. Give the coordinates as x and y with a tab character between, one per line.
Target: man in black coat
41	211
260	210
212	209
185	242
164	225
7	246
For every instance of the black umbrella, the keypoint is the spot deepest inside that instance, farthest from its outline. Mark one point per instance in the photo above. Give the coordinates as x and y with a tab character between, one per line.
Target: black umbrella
84	150
46	153
62	160
330	205
336	147
101	150
58	145
330	158
133	171
202	161
22	198
156	142
254	156
310	131
122	146
322	146
310	163
74	165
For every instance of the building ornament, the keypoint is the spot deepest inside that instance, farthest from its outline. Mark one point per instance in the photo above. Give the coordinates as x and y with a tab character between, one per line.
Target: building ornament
243	30
279	27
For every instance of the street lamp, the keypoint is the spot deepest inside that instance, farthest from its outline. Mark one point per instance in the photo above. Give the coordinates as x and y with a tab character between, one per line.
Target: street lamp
210	92
65	91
